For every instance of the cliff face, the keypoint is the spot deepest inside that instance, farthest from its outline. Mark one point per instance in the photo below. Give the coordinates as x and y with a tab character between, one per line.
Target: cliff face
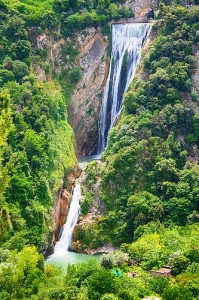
193	154
93	60
60	212
86	99
195	76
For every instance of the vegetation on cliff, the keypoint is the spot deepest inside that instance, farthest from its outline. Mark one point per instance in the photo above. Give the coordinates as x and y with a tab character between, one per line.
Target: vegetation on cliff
149	179
37	147
150	172
70	14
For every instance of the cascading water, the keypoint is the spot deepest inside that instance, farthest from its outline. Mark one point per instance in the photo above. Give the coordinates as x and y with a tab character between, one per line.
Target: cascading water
63	244
61	256
127	41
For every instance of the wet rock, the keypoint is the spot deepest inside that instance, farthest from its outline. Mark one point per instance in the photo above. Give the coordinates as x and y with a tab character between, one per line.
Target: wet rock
60	212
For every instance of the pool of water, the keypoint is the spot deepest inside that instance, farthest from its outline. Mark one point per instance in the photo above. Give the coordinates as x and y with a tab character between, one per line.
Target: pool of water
62	259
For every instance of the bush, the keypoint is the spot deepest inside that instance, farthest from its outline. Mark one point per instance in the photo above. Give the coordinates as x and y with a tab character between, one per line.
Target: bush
116	258
20	69
99	283
5	76
179	264
109	297
75	75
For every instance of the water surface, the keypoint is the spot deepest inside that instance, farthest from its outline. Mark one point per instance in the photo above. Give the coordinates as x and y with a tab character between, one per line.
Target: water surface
62	259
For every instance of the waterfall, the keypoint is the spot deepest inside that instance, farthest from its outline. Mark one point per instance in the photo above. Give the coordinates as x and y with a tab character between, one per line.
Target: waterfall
63	244
127	41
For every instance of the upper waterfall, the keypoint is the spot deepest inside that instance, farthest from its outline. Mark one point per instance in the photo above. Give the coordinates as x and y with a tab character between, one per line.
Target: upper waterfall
127	41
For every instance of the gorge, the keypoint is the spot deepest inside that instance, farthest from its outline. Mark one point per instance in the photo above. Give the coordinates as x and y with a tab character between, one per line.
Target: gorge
118	211
127	41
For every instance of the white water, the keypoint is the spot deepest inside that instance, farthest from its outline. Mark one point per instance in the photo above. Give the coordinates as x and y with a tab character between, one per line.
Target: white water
61	256
127	41
63	244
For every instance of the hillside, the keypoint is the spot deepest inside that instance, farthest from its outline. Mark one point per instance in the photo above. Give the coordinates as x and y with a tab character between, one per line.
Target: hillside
142	198
150	171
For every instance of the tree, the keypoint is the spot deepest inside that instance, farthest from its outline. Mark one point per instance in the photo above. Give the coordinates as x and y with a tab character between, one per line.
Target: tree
5	222
179	264
177	292
116	258
158	284
23	49
5	128
75	75
20	69
143	206
5	76
109	297
10	277
99	283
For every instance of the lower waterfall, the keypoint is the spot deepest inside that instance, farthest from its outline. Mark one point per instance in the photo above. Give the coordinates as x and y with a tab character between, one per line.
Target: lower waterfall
61	256
63	244
127	42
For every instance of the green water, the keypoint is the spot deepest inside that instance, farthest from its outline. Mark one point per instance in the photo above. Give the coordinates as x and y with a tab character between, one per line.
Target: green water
62	259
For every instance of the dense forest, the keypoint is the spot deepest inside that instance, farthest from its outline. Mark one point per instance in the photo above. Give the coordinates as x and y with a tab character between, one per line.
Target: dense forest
146	177
148	180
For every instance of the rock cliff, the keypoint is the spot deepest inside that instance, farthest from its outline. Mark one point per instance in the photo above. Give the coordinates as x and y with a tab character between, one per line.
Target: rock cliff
86	99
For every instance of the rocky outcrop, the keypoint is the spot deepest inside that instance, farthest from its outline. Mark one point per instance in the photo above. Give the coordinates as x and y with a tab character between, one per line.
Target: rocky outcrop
195	76
142	7
86	99
60	212
50	49
84	231
193	153
79	247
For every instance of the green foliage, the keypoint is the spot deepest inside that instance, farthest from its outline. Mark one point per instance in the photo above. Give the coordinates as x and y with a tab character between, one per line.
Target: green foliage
145	174
193	268
21	273
145	180
49	13
179	264
158	284
109	297
37	147
95	13
74	75
34	12
100	283
5	128
117	258
177	292
169	246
